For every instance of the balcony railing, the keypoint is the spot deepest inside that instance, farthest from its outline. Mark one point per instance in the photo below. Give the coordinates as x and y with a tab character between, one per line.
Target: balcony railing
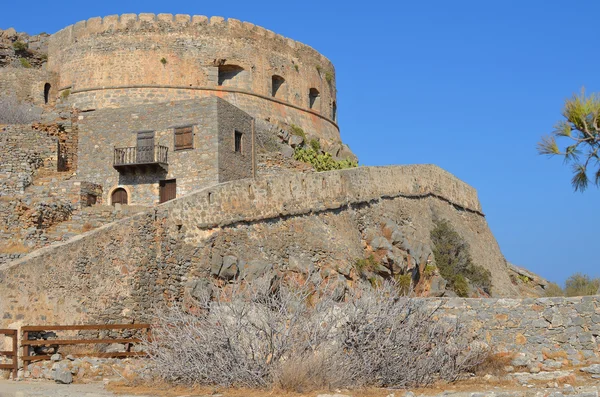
141	157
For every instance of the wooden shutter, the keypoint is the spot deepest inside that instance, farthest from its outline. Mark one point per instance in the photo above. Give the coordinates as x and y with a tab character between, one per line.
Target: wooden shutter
168	190
184	138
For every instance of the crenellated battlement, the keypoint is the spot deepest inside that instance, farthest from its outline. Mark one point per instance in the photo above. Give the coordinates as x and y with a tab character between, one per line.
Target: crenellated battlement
132	59
170	23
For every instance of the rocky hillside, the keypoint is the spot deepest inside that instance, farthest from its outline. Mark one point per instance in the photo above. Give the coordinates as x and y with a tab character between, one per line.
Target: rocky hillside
23	50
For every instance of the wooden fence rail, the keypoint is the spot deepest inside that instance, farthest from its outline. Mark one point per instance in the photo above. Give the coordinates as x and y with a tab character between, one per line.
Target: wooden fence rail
26	343
12	333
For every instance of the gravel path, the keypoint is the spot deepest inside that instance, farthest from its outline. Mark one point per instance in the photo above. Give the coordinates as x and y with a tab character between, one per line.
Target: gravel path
48	389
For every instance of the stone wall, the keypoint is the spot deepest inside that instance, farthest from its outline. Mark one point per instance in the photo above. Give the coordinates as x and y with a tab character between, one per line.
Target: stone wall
548	332
132	59
103	130
319	220
24	151
291	223
27	85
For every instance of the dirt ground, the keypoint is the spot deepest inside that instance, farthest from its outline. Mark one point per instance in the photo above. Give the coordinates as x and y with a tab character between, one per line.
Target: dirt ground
51	389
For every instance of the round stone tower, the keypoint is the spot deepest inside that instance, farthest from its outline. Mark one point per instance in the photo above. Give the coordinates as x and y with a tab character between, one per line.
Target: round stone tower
119	61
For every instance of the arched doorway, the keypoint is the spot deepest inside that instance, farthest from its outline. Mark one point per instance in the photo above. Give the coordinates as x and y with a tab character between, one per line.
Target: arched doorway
47	87
119	196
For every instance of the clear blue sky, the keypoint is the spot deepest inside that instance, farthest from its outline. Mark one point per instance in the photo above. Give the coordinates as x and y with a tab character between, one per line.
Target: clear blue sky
468	85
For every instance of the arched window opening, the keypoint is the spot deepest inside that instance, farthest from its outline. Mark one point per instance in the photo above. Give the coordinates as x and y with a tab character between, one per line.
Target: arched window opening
276	83
119	196
230	75
334	111
314	98
47	87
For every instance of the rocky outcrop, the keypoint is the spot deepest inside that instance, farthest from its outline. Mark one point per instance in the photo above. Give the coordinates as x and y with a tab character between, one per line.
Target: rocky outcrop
23	50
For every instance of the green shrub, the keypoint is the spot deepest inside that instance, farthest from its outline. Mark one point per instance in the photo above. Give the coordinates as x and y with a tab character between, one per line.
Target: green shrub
553	290
429	270
322	161
404	282
319	68
25	63
460	286
297	130
453	259
65	94
19	46
524	279
581	285
296	67
163	61
365	265
329	76
315	144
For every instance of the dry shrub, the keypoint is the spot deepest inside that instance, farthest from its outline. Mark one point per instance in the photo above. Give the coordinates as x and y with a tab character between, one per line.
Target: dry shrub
14	112
86	227
298	337
494	364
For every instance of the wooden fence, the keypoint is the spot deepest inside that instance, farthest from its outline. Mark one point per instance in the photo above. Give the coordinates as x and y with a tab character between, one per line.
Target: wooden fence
27	343
14	366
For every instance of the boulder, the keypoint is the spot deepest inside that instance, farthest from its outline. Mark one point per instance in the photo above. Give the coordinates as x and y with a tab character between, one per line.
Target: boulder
438	286
379	243
295	141
230	269
254	269
201	289
64	376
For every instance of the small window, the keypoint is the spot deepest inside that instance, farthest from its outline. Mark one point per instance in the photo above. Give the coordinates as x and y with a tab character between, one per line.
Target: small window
238	142
47	87
276	83
229	75
334	111
184	138
314	97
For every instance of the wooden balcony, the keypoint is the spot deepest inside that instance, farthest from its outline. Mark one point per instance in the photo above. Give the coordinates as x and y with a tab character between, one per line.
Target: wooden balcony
143	158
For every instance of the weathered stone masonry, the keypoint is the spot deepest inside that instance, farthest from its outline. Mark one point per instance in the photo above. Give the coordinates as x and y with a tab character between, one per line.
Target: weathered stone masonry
117	272
132	59
211	160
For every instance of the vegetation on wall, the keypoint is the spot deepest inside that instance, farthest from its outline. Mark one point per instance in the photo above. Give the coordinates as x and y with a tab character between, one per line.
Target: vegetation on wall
20	46
329	76
25	63
297	130
453	259
322	161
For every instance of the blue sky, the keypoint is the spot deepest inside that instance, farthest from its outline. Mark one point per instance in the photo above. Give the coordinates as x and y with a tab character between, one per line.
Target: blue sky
468	85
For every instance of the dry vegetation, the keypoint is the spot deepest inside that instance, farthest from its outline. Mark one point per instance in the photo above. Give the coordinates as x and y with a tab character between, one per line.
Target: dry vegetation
14	112
296	337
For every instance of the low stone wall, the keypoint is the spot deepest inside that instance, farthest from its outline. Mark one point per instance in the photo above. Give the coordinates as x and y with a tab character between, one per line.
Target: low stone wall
550	332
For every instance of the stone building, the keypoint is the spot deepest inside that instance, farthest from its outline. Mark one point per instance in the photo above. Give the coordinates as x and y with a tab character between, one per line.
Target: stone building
149	154
166	103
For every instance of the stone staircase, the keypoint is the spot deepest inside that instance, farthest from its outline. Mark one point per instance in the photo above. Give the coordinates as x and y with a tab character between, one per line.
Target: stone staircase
89	218
53	196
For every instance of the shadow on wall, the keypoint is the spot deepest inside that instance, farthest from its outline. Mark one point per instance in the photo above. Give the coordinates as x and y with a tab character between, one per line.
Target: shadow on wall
233	76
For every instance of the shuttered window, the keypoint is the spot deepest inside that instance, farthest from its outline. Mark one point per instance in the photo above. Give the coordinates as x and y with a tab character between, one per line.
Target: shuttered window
184	138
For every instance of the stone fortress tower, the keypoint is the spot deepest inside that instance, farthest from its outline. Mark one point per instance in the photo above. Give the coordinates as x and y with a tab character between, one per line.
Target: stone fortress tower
126	60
